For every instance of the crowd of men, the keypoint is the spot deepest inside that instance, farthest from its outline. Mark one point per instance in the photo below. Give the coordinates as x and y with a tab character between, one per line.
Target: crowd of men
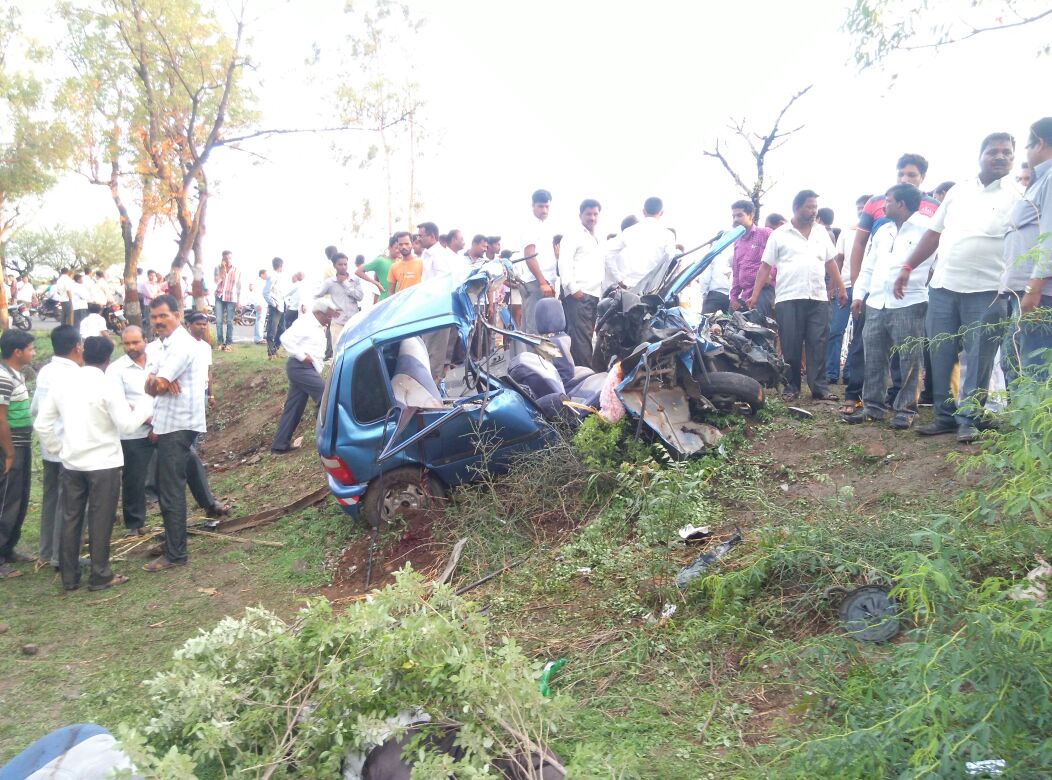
108	431
935	284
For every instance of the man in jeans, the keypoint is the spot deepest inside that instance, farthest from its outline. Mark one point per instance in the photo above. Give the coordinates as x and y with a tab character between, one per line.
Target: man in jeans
228	300
1029	263
892	323
274	295
965	309
177	380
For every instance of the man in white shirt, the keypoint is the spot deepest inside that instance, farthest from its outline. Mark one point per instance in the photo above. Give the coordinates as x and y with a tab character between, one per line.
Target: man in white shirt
892	323
196	475
293	298
642	247
714	283
436	258
305	344
541	279
805	258
63	293
25	291
179	388
93	414
969	231
61	371
581	275
128	374
79	292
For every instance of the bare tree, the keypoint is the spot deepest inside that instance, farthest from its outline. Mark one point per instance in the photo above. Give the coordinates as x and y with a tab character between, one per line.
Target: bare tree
759	147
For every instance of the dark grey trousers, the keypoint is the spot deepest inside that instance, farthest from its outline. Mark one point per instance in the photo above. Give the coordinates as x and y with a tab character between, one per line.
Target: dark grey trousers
885	330
304	383
14	501
51	512
580	324
138	454
971	323
803	326
275	327
173	454
90	496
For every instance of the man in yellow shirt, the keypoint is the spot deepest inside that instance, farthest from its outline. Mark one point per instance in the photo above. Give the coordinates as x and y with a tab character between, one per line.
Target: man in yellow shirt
407	271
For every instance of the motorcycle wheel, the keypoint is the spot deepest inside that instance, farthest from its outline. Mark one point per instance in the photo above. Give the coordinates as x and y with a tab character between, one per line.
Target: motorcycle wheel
22	322
731	392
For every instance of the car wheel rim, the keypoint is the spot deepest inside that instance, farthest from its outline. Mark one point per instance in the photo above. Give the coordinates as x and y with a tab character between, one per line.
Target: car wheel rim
405	497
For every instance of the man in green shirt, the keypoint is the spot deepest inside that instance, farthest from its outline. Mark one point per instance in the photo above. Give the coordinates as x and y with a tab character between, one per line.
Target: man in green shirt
380	265
16	434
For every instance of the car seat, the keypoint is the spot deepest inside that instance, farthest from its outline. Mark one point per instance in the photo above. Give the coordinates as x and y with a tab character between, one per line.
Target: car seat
412	383
545	377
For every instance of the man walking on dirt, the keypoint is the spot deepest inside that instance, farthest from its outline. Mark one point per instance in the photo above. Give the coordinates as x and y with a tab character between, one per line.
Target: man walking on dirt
179	388
305	344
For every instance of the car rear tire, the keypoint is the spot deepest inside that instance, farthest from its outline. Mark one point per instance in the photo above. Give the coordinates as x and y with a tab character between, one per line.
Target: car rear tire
731	392
402	489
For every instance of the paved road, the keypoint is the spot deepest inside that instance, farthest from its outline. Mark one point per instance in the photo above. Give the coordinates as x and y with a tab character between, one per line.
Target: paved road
242	333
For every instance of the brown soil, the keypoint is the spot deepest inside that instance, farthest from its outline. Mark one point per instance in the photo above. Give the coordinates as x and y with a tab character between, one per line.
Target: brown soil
411	543
232	438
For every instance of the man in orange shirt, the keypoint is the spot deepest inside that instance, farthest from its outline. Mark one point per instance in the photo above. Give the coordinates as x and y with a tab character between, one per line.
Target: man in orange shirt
407	271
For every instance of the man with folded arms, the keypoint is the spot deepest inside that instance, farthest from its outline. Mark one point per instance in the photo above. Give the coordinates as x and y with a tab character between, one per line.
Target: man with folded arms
93	414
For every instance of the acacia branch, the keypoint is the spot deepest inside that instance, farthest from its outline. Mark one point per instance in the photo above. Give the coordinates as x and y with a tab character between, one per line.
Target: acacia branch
719	156
977	31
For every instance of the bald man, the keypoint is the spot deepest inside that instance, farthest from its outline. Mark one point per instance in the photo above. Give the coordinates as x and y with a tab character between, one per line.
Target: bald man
129	374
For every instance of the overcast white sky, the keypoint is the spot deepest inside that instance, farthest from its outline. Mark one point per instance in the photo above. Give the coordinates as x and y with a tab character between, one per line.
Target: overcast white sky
613	100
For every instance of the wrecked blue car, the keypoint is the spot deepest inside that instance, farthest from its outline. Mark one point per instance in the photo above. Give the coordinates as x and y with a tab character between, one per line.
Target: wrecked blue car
388	438
391	439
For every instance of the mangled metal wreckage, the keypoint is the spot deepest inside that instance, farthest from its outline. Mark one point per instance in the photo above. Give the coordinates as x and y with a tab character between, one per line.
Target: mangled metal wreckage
389	438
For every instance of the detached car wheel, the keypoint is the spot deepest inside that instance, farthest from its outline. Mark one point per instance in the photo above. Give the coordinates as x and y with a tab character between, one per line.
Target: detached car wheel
731	392
399	490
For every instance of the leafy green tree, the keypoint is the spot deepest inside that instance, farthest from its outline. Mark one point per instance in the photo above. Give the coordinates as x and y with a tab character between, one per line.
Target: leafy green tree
882	27
34	144
169	79
36	252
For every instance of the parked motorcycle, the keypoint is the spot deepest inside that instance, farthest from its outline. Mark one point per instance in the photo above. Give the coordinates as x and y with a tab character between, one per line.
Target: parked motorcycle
115	319
19	316
246	315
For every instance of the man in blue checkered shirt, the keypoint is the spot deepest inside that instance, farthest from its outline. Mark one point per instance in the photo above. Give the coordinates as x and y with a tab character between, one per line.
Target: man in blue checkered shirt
178	382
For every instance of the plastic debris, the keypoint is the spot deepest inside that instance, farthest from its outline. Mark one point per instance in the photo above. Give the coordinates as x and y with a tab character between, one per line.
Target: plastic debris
869	614
550	670
989	766
1037	587
692	534
703	561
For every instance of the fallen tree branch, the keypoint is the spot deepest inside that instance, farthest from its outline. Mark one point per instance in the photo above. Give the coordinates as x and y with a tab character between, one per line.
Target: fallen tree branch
214	535
491	575
252	521
451	565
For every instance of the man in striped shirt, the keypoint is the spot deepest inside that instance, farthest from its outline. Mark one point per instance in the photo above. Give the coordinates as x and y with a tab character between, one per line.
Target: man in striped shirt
178	380
16	435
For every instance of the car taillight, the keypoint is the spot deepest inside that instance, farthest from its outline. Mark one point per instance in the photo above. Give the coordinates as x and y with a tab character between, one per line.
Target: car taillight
339	470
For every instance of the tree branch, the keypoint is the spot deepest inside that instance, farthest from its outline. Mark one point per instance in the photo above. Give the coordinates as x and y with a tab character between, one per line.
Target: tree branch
977	31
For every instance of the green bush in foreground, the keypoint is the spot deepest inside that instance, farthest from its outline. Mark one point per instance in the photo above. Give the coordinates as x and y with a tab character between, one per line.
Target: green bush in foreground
255	694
